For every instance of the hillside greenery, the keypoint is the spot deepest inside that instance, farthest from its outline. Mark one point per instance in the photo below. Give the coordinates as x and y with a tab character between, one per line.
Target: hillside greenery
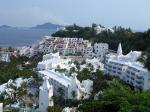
145	58
118	98
17	68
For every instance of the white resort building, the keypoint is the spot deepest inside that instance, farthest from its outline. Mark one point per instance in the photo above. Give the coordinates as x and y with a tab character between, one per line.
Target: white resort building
52	61
66	45
71	86
100	50
5	57
28	51
99	29
45	96
73	46
127	68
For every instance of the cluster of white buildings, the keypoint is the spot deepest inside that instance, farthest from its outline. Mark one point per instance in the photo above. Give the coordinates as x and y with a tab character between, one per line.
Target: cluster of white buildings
5	57
127	68
74	46
71	86
28	51
66	46
52	61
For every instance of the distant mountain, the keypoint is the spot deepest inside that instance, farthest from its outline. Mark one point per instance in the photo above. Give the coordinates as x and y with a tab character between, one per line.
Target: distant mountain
5	26
47	26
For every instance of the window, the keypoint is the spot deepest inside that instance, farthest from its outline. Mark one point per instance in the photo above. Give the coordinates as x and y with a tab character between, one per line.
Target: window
128	76
114	71
114	67
119	72
132	73
132	78
128	72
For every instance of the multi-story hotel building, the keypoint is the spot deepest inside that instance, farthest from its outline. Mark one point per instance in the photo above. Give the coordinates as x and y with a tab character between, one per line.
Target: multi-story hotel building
127	68
100	50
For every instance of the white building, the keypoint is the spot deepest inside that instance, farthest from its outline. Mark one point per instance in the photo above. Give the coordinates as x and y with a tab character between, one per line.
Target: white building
72	87
68	109
23	51
1	107
4	56
29	51
100	50
66	46
100	29
127	68
52	61
96	63
45	96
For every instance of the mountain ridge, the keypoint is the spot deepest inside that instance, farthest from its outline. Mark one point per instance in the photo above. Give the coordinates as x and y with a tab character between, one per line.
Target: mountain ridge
47	25
5	26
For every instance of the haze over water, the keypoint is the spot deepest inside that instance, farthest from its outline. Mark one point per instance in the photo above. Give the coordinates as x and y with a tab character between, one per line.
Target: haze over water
22	36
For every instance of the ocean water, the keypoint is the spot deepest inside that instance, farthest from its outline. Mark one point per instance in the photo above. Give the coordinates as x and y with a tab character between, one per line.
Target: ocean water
14	37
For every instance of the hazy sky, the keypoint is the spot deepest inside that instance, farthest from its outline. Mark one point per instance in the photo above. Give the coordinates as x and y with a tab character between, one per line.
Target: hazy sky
127	13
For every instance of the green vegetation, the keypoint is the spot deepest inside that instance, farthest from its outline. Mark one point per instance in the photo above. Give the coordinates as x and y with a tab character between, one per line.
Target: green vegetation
12	110
118	98
64	70
145	58
17	68
99	79
54	109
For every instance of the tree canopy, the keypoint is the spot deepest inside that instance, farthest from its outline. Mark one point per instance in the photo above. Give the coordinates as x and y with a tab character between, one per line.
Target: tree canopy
119	98
145	58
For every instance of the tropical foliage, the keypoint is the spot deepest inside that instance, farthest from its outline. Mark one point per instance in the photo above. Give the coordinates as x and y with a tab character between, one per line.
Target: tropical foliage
145	58
17	68
118	98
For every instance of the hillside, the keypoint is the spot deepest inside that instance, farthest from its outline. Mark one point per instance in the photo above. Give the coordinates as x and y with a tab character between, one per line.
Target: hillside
5	26
47	26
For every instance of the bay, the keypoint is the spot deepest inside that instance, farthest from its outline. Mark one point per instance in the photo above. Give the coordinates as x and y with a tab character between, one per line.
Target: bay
14	37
